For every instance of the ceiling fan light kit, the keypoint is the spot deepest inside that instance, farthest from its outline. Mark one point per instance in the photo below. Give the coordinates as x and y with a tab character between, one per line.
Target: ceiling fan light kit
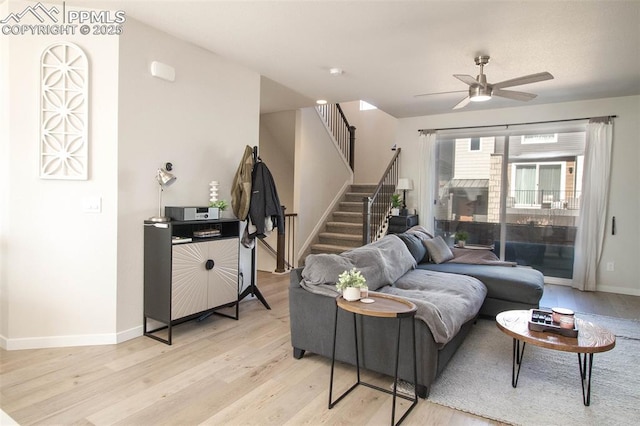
479	94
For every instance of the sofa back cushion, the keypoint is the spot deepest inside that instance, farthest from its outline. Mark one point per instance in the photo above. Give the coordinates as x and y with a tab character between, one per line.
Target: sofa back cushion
324	268
415	246
381	263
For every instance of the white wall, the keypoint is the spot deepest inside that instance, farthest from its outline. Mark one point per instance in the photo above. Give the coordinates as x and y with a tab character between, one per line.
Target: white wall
624	197
375	135
58	263
5	180
72	278
320	174
277	151
200	123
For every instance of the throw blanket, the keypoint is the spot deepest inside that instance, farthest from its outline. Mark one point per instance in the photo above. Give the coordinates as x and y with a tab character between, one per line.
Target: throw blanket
477	257
444	301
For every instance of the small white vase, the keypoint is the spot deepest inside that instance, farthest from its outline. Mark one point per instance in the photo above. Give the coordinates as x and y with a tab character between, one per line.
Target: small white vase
351	294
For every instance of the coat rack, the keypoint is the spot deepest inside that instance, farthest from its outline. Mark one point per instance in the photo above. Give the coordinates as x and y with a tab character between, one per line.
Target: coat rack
253	290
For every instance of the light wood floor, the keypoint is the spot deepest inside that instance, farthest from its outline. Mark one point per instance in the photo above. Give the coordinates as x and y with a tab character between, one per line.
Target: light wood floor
220	371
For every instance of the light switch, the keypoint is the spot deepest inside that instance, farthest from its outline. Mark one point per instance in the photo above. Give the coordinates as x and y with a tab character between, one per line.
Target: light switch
92	204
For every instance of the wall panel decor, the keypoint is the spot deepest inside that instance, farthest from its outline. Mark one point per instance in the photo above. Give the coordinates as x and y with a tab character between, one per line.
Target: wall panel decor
64	119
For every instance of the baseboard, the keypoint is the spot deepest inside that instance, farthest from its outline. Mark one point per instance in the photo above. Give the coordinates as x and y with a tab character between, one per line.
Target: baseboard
604	288
67	341
619	290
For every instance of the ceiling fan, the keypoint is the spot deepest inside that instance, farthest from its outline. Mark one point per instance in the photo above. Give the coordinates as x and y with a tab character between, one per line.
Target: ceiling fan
480	90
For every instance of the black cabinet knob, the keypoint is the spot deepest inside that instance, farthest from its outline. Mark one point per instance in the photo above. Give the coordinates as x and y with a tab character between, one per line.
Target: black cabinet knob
209	265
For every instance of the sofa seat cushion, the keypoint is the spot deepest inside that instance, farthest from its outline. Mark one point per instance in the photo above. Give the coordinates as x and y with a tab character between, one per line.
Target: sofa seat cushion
445	301
514	284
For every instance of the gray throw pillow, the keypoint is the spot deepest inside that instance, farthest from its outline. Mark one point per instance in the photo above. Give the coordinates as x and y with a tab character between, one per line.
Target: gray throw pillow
415	246
438	249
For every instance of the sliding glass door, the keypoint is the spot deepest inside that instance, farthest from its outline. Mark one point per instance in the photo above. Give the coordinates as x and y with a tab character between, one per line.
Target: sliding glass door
518	194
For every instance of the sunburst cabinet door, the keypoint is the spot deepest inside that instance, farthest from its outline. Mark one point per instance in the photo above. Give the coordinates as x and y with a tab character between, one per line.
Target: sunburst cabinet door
223	278
189	279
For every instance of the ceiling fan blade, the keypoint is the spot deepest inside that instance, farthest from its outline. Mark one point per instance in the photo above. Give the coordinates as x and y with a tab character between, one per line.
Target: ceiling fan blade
440	93
465	78
512	94
527	79
463	103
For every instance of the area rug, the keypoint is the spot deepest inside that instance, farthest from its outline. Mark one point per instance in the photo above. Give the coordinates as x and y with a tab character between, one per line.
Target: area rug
478	380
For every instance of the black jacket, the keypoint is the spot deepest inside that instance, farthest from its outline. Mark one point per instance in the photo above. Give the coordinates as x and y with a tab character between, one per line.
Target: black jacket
264	201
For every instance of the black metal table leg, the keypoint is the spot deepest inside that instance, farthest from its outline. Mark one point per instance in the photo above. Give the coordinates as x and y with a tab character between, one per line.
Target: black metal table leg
585	365
333	356
410	314
333	362
518	353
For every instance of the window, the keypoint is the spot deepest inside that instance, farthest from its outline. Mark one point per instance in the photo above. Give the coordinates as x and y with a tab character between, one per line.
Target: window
537	184
366	106
519	193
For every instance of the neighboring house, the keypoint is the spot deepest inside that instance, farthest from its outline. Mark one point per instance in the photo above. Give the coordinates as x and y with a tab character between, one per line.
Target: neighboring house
544	178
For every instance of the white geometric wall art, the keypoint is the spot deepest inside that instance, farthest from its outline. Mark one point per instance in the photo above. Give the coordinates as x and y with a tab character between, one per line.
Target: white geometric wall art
64	112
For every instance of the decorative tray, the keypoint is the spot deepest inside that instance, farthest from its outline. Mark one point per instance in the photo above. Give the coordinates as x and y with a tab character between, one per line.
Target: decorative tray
541	321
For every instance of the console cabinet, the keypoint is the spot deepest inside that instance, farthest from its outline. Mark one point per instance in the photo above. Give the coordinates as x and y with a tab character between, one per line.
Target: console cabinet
188	277
399	224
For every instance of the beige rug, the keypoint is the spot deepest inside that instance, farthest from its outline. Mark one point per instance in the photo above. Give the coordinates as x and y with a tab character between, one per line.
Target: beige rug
478	380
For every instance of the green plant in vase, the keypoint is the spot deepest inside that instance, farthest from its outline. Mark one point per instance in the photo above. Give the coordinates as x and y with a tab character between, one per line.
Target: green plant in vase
461	237
396	204
220	204
350	284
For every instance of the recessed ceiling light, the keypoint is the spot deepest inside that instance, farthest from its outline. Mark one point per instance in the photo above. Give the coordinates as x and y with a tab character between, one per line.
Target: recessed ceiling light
335	71
321	101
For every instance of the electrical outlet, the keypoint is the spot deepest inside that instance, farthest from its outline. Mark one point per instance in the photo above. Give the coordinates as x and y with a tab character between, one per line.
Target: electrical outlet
611	266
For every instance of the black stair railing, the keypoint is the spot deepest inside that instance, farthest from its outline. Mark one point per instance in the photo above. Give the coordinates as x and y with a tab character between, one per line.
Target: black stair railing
342	131
375	209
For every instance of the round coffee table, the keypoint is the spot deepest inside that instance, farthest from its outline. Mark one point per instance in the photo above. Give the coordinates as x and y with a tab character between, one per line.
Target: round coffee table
591	339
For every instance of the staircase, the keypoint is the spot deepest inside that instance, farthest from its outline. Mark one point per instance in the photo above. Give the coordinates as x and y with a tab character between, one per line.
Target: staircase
343	230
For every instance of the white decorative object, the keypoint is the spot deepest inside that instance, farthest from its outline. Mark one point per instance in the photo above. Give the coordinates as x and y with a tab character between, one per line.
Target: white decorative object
64	115
351	294
213	191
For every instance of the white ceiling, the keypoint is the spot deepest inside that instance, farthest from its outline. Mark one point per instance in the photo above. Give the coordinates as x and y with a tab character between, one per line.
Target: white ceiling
391	51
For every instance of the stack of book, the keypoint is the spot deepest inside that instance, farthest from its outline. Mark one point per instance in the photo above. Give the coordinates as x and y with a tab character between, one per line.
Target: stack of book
207	233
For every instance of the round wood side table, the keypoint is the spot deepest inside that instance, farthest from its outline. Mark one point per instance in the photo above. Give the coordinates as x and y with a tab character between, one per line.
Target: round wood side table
383	306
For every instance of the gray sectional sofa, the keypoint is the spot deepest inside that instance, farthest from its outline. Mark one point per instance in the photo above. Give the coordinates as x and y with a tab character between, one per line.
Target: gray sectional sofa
449	295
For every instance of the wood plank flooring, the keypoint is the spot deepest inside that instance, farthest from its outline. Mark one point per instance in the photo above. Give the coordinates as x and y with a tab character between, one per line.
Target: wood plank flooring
221	371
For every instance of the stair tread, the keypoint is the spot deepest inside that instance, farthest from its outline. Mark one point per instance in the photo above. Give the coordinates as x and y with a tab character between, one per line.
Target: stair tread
341	236
330	247
345	224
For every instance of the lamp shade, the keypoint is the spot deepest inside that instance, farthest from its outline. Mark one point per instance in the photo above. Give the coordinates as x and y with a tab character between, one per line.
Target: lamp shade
165	178
405	184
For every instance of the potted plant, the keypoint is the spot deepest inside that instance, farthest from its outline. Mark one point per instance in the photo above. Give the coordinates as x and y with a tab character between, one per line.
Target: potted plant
461	237
350	284
396	203
220	204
